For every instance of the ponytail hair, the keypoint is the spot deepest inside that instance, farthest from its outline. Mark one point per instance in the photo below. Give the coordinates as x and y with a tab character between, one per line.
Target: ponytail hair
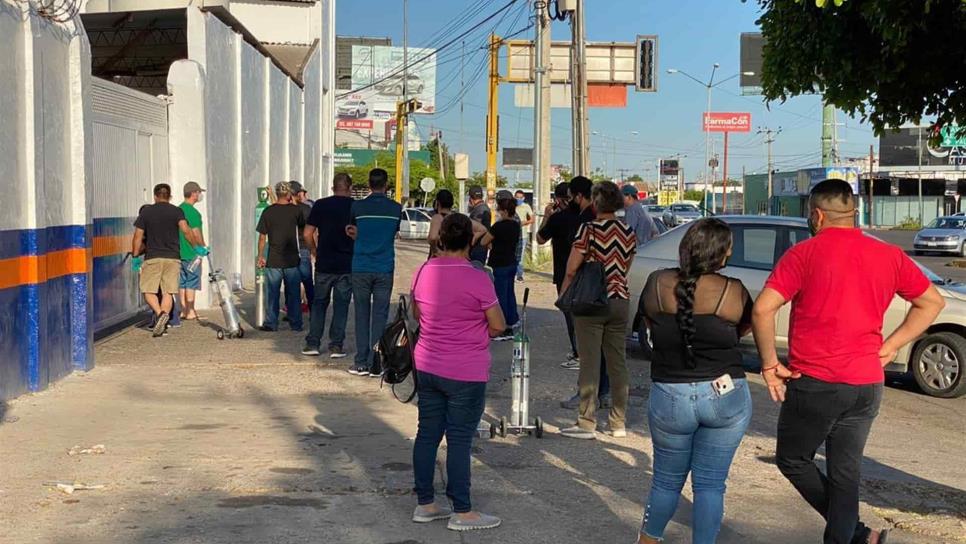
702	251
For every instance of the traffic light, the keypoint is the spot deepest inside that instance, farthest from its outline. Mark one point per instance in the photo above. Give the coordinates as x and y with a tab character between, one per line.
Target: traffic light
645	64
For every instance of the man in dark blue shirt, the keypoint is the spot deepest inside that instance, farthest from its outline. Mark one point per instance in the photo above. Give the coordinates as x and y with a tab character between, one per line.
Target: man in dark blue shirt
325	235
374	224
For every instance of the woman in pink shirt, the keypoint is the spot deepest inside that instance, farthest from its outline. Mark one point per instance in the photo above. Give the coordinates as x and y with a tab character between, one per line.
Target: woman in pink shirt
458	312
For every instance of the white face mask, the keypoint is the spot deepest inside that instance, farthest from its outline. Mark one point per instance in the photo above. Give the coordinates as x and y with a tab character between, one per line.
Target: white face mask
201	197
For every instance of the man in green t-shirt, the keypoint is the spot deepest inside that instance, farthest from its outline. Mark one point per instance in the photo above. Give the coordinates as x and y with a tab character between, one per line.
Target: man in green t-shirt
190	280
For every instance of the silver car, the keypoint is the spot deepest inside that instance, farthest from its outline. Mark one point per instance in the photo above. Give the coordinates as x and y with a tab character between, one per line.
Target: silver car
943	235
679	214
937	361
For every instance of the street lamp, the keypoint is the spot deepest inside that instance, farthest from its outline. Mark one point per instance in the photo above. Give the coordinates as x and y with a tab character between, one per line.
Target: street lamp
707	138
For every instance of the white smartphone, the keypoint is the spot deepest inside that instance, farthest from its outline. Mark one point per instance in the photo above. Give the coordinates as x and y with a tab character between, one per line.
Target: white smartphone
723	385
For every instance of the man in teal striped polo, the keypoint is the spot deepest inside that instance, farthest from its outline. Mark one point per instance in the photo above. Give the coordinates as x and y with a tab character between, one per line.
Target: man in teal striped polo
374	222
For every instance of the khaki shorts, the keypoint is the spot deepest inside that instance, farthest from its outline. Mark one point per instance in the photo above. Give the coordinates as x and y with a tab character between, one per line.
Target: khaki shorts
160	274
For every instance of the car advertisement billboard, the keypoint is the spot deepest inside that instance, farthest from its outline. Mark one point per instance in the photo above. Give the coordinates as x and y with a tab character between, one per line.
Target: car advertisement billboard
378	82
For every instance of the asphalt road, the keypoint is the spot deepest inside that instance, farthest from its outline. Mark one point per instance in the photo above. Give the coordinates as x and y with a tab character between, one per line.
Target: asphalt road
938	263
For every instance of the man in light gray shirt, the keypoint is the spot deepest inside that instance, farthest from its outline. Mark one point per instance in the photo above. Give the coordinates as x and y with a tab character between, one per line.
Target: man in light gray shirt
636	217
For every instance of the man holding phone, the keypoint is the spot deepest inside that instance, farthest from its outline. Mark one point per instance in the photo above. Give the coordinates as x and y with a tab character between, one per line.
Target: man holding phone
840	283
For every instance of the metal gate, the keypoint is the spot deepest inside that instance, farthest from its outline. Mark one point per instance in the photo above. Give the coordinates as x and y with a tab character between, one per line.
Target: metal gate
130	155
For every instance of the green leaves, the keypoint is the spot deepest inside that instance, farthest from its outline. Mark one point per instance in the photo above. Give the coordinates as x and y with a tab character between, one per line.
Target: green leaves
887	61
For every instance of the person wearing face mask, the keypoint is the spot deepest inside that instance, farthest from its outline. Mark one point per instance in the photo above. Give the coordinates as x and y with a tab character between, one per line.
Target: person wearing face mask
189	282
839	283
525	217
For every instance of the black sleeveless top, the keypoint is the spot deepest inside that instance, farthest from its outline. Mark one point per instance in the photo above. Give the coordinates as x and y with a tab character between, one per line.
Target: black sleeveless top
722	306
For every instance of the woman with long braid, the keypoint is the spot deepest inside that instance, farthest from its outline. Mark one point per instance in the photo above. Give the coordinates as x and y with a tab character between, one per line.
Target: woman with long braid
700	405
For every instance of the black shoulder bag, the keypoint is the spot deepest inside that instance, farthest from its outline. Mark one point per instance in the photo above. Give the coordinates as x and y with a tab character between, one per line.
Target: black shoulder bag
587	294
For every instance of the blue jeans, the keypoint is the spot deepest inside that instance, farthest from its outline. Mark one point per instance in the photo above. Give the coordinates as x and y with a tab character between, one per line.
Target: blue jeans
371	292
328	287
452	408
293	300
521	251
305	268
503	283
693	430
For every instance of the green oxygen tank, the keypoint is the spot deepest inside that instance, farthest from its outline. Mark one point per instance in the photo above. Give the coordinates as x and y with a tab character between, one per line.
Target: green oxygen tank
260	272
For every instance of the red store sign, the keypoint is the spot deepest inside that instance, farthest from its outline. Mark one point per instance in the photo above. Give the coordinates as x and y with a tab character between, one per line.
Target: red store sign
718	121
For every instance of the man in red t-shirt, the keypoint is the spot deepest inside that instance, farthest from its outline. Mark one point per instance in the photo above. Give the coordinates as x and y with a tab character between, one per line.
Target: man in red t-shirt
840	283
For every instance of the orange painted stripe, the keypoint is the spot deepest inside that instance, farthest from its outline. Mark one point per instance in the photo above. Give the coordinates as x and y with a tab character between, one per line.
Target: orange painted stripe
105	246
35	269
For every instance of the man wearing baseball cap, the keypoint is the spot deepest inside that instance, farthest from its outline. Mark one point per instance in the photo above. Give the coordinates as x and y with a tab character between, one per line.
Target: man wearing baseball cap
479	212
300	198
635	216
190	281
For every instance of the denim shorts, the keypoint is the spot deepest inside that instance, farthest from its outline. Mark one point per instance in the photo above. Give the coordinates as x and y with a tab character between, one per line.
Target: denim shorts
188	279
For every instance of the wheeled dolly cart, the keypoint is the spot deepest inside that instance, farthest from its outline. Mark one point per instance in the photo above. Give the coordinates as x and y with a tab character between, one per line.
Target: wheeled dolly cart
519	421
219	285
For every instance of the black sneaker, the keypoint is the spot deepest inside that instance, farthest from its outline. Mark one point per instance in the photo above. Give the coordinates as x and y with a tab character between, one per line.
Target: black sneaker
359	370
336	352
309	350
266	328
376	372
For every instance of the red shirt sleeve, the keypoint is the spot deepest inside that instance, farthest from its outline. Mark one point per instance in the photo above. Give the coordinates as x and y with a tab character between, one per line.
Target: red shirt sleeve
789	274
911	281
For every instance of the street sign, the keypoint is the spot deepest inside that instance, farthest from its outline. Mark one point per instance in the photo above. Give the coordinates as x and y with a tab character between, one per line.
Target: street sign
713	163
427	185
666	198
645	65
720	121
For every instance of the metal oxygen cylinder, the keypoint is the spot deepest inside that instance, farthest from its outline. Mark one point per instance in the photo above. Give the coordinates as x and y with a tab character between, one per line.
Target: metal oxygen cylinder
260	272
520	371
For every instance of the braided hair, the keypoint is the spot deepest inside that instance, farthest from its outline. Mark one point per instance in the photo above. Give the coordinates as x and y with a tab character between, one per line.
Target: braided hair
702	251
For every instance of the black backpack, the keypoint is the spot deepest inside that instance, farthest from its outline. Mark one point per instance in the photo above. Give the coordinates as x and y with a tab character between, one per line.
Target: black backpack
394	352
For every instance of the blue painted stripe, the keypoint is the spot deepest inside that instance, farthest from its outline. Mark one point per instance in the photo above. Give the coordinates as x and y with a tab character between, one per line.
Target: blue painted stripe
29	242
113	226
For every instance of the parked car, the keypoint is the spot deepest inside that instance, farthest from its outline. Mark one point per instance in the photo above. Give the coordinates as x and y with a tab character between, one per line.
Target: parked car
354	108
942	235
937	360
679	214
657	214
415	223
393	86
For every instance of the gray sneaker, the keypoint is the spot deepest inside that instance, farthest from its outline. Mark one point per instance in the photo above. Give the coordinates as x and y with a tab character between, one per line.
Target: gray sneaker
310	350
160	324
577	432
422	514
486	521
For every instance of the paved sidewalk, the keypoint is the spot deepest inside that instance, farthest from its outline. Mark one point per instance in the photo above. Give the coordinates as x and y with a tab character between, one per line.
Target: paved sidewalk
247	441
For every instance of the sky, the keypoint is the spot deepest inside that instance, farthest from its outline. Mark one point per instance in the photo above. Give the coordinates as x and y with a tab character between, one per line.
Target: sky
693	35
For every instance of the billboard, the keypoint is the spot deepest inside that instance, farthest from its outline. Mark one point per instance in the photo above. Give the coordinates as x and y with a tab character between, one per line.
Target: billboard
517	157
670	174
903	148
377	82
721	121
809	177
751	61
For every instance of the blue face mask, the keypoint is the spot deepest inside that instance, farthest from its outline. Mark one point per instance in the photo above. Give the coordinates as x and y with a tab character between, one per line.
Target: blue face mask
519	201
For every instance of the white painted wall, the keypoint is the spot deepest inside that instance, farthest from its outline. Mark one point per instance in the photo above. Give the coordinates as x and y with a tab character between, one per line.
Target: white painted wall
12	108
261	128
277	22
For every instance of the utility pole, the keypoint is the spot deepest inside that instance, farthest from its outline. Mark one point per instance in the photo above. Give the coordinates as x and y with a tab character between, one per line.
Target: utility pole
770	139
871	188
404	140
541	112
462	85
919	173
578	82
828	136
492	117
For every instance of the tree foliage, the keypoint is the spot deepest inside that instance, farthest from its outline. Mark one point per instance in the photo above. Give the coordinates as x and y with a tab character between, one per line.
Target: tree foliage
888	61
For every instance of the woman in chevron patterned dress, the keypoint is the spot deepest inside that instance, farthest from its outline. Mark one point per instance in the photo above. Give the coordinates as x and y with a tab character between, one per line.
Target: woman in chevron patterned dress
612	243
